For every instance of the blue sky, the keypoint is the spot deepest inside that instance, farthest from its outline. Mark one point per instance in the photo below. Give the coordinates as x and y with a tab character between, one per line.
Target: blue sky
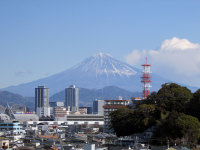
39	38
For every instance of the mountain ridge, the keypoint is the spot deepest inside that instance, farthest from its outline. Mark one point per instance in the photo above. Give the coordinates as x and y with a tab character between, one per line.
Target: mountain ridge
12	98
97	71
86	96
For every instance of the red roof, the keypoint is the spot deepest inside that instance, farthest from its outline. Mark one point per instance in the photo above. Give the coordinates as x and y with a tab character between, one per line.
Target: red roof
146	65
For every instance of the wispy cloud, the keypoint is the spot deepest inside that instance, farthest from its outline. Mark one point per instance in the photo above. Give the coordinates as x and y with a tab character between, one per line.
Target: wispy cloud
177	59
22	73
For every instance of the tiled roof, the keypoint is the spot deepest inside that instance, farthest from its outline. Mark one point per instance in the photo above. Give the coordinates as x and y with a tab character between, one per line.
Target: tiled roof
49	136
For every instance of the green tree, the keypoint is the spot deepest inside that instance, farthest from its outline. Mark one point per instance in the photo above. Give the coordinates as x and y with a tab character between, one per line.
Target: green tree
179	126
144	117
125	121
122	121
193	107
173	97
164	110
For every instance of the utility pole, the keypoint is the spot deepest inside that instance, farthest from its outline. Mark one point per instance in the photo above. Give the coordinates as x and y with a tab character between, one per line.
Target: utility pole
167	143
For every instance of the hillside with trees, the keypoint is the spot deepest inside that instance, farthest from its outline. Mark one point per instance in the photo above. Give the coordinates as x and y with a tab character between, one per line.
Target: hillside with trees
173	111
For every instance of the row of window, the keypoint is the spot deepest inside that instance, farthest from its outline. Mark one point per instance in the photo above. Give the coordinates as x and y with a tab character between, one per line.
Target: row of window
94	117
10	128
110	109
85	119
115	103
6	124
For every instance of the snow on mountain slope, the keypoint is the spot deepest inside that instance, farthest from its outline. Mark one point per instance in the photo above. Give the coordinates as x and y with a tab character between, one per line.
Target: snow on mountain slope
104	64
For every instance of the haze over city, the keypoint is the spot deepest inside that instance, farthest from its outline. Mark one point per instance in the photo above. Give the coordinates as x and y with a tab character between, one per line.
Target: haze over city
42	38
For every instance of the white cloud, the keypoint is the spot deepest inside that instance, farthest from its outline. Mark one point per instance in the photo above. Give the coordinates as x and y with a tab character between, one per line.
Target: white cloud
177	59
135	57
178	44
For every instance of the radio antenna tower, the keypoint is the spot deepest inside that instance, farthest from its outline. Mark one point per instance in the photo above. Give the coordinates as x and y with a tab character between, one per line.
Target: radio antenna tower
146	79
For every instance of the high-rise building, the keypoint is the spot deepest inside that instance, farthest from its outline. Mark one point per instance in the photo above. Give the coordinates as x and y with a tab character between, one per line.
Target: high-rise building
42	101
98	107
72	98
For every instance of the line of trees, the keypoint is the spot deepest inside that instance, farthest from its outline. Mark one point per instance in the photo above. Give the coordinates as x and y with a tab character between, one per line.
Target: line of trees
174	111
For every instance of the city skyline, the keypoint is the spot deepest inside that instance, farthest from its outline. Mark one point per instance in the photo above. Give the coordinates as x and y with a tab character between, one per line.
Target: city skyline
42	38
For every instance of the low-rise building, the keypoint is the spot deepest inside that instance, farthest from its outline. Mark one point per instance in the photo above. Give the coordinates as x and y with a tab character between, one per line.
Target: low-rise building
60	112
73	119
85	119
55	104
13	127
98	107
88	109
110	106
136	101
83	110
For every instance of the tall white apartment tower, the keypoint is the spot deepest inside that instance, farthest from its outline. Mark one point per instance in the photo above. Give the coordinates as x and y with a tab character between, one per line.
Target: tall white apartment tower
72	98
42	101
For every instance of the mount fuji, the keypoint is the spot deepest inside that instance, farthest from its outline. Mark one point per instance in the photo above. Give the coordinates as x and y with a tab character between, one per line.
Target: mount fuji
95	72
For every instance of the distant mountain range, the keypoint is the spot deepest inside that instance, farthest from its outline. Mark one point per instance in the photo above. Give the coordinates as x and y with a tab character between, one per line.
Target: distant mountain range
95	72
86	96
15	99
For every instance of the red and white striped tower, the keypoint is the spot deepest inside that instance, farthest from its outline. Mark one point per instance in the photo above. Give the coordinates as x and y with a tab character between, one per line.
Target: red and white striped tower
146	79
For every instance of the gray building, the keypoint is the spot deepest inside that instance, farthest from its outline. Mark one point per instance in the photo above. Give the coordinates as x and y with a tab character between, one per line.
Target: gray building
98	107
42	101
72	98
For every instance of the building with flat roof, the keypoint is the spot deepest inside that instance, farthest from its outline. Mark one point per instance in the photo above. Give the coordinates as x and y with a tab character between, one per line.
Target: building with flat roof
89	109
60	113
74	119
13	127
55	104
85	119
72	98
10	116
42	101
110	106
136	101
98	107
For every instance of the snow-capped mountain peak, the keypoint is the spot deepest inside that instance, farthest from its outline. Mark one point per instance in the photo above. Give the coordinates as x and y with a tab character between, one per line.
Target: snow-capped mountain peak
101	63
101	55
